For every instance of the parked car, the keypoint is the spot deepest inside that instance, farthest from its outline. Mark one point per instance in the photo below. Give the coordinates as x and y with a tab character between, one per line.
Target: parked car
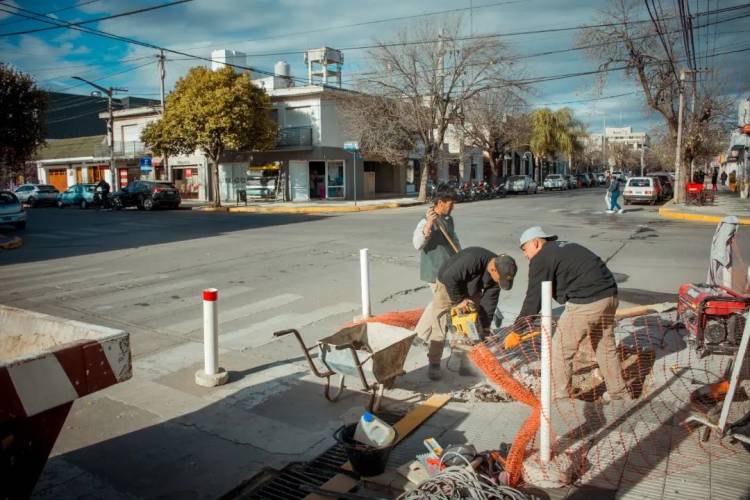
667	187
583	180
147	195
601	179
78	194
521	184
11	210
37	194
645	189
555	181
592	179
572	181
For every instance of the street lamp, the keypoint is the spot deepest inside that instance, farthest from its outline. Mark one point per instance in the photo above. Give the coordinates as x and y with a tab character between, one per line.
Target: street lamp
110	125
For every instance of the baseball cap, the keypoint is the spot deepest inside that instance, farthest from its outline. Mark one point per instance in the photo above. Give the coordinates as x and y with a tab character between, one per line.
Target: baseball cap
536	232
506	268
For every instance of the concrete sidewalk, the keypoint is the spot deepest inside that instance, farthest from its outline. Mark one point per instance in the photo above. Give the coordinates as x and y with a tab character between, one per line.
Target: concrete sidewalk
311	207
726	203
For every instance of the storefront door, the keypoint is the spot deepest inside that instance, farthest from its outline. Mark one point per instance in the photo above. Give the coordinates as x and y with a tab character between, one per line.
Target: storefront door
187	182
335	179
58	177
299	176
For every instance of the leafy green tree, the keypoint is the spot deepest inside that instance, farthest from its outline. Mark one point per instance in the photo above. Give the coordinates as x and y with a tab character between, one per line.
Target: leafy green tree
214	111
22	128
554	132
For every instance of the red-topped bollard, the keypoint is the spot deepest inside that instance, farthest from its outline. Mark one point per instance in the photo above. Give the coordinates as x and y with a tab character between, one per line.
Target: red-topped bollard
211	375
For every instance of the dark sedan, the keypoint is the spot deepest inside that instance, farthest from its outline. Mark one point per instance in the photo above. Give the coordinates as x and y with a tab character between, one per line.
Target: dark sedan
147	195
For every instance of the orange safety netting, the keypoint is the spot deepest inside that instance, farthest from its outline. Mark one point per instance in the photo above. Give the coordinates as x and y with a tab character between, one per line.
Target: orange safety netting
621	443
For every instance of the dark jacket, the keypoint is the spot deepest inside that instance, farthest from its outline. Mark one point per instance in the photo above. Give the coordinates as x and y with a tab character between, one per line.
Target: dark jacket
577	274
465	276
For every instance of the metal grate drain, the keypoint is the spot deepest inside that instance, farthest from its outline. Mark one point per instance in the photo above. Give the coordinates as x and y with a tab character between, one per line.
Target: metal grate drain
285	484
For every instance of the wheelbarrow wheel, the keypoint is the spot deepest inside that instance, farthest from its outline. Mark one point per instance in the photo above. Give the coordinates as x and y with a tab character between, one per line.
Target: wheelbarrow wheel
339	390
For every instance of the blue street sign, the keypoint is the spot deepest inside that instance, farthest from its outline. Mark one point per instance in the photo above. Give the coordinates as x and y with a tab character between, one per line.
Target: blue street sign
146	164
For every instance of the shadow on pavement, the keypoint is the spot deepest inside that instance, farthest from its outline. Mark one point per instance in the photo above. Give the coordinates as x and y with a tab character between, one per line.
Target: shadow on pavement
205	453
54	233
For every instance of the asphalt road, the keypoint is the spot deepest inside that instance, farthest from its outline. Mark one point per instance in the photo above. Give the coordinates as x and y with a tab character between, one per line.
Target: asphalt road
143	272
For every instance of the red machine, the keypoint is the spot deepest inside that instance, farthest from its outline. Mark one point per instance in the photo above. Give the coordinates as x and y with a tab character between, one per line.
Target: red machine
713	316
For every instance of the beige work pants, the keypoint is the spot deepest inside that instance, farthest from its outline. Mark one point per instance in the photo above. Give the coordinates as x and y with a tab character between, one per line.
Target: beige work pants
593	323
433	325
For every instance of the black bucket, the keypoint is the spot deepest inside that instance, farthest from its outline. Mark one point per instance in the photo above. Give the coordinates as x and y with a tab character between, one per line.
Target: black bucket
366	460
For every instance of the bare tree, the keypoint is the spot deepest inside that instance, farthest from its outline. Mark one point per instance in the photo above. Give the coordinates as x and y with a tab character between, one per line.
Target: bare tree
648	55
493	122
624	156
424	78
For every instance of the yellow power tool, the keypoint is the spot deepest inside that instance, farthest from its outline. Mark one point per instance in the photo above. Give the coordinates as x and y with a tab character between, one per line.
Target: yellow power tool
466	324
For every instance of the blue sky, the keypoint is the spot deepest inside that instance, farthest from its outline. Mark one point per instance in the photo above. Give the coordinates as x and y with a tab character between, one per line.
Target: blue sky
263	27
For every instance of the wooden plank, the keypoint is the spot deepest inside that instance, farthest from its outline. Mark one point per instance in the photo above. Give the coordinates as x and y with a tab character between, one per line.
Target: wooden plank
342	483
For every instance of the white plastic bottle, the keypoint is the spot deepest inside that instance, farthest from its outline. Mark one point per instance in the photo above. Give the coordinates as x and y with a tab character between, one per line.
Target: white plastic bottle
374	432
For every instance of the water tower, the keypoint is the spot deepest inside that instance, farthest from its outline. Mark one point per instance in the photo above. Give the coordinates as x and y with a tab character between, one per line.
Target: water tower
323	64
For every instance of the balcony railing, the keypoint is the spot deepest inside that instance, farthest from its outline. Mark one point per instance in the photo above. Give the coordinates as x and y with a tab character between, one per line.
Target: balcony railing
126	149
291	137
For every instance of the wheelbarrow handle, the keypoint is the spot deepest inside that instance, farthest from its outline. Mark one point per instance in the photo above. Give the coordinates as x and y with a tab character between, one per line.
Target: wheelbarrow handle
281	333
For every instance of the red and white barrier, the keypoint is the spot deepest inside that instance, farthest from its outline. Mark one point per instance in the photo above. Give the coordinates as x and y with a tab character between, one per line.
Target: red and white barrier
211	375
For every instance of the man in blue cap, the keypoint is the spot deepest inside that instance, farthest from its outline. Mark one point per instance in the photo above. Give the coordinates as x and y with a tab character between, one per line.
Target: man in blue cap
581	281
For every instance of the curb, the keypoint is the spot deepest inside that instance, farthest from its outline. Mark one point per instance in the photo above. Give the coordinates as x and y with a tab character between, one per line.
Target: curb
13	242
306	210
669	213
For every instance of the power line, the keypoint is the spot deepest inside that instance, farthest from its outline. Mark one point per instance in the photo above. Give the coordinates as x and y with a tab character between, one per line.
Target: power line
89	21
74	6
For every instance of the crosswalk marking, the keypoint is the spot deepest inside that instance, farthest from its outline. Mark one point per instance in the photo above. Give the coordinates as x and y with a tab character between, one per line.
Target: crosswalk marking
238	312
106	302
89	276
192	308
93	289
262	332
44	275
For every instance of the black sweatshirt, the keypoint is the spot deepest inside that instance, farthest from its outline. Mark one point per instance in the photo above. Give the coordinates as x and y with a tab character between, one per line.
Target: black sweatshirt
465	276
577	274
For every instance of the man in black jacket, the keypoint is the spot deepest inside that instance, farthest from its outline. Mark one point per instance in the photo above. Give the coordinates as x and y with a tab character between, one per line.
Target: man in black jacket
581	281
470	279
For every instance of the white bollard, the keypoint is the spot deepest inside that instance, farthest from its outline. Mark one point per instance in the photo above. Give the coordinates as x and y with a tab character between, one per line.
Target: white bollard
211	375
546	359
364	272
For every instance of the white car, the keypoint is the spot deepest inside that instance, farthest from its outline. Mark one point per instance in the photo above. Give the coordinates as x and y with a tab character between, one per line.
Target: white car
555	181
11	210
645	189
37	194
521	184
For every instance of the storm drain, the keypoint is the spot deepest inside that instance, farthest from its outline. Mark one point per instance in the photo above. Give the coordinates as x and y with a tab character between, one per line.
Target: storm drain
289	482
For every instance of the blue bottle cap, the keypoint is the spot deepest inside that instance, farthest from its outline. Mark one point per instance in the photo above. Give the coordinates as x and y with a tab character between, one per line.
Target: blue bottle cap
367	416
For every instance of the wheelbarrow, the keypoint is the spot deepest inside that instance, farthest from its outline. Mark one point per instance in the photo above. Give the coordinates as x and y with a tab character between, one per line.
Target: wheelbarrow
374	352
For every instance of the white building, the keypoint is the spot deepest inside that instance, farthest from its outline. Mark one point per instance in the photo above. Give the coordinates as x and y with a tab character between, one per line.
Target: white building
620	135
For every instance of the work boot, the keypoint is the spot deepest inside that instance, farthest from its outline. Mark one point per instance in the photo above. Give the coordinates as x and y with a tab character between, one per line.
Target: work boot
434	372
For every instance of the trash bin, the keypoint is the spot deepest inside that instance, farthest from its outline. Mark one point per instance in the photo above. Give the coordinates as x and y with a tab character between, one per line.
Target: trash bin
366	460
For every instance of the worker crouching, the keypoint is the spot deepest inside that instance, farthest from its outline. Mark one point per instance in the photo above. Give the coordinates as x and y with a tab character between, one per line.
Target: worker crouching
470	279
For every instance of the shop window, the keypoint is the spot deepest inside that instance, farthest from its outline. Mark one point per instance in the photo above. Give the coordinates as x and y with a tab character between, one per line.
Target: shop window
335	178
187	182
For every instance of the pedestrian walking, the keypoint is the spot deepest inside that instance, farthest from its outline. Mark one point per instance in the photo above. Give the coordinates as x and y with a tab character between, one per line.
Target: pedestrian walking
468	280
581	281
714	178
723	178
614	193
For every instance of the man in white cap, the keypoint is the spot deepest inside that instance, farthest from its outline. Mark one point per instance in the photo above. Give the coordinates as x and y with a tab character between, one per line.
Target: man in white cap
581	281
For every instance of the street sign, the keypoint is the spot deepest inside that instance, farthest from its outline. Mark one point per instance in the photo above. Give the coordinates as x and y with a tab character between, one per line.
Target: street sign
146	165
351	147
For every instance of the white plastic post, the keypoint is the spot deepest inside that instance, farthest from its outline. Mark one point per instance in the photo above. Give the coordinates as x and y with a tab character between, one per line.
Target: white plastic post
210	331
364	271
546	361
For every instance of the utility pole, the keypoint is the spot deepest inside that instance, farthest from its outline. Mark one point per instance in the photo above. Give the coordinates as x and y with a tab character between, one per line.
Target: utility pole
643	148
162	73
110	127
679	193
